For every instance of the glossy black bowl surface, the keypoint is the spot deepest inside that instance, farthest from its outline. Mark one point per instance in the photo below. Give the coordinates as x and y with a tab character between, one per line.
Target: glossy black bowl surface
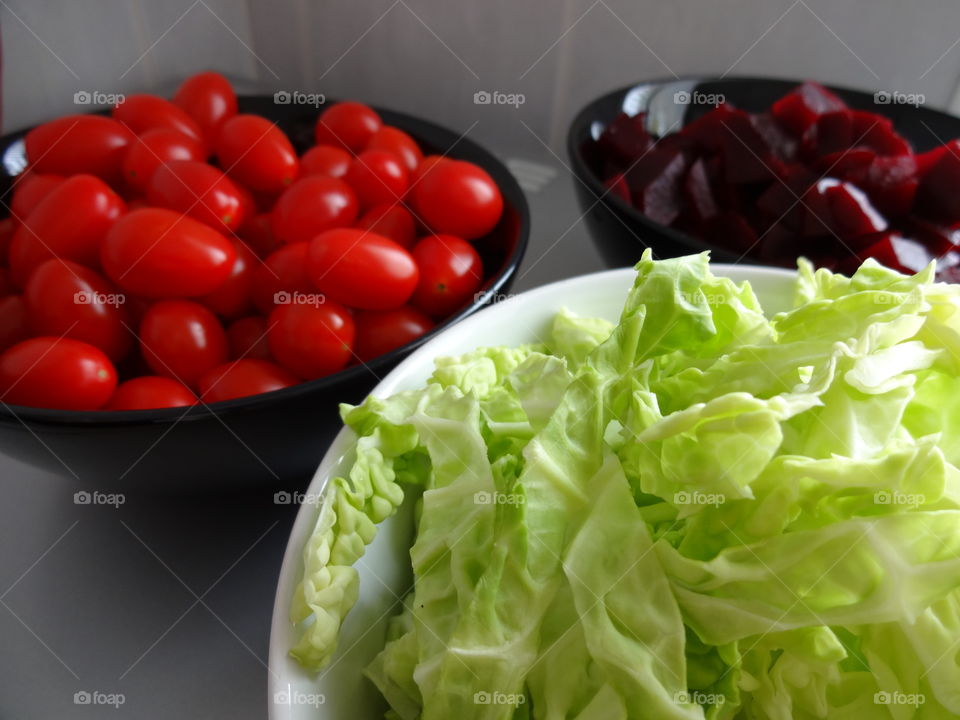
620	231
272	439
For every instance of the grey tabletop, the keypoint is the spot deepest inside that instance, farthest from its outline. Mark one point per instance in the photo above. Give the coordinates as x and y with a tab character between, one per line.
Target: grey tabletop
160	607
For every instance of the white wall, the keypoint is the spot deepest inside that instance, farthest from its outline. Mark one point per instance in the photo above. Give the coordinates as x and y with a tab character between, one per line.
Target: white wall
430	56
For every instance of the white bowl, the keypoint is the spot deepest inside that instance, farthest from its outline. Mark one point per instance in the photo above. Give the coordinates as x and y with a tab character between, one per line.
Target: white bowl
341	692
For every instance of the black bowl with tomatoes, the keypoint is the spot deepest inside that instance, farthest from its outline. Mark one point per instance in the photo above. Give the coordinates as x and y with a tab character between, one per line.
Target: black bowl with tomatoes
275	437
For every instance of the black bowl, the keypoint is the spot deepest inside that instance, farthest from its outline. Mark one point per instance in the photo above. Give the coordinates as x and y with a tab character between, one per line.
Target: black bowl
272	439
620	231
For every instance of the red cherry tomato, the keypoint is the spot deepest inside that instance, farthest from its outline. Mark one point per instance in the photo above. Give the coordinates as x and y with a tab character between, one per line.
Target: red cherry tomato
312	205
378	177
153	149
78	144
390	220
159	253
52	372
209	99
198	190
140	113
347	124
8	226
241	378
283	271
233	298
425	166
182	339
380	331
29	190
311	340
150	392
451	273
326	160
361	269
458	198
399	143
256	153
257	234
64	298
14	325
247	338
70	222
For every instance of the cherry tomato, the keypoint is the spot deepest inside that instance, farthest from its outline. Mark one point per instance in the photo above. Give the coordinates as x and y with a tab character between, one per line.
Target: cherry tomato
380	331
311	340
8	226
312	205
144	112
399	143
52	372
361	269
378	177
257	234
391	220
150	392
29	190
233	298
451	273
256	153
425	166
182	339
248	338
78	144
159	253
241	378
283	271
153	149
198	190
347	124
67	299
14	325
328	160
70	222
209	99
458	198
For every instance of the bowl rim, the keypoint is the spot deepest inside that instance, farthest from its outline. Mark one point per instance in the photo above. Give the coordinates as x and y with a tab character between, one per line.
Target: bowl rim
290	567
49	417
580	126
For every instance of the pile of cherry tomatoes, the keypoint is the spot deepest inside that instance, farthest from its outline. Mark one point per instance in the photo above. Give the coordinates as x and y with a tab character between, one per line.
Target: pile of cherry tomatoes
179	251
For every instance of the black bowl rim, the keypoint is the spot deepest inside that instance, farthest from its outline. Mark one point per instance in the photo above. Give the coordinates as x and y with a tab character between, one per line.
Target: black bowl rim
417	127
580	126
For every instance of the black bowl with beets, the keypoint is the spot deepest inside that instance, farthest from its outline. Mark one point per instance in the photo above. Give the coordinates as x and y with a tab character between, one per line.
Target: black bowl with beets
275	438
764	170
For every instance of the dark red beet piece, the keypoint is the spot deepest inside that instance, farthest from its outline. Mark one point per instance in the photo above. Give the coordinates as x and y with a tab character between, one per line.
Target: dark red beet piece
938	195
618	187
896	252
625	138
780	202
844	162
799	108
830	132
891	182
706	132
853	215
940	239
698	194
746	155
659	197
926	160
782	144
731	230
876	132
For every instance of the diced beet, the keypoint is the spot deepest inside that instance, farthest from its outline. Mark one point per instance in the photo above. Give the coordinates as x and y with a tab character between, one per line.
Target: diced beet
780	202
625	138
853	214
731	230
746	156
650	166
829	133
707	131
891	183
896	252
926	160
938	195
617	186
799	108
698	194
658	195
783	145
817	210
940	239
876	132
847	163
778	245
